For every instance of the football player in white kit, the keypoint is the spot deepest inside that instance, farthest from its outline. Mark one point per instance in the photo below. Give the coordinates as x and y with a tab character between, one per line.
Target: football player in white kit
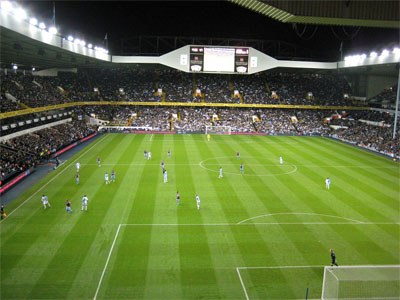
198	201
85	201
45	201
327	183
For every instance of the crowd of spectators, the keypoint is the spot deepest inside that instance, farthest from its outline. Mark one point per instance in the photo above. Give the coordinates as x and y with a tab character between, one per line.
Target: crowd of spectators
157	85
31	91
25	151
385	99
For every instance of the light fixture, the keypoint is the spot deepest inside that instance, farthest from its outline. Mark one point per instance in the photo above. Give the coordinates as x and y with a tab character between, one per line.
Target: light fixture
70	38
82	43
90	46
77	41
33	69
42	25
15	67
53	30
396	50
33	21
6	6
373	54
384	53
20	14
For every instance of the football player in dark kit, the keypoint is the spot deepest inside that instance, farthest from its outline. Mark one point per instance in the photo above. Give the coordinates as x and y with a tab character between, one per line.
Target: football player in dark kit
333	257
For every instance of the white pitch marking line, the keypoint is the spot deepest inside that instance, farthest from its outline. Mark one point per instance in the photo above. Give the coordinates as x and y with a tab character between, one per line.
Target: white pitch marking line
271	267
267	223
281	267
295	213
242	283
107	261
151	137
51	180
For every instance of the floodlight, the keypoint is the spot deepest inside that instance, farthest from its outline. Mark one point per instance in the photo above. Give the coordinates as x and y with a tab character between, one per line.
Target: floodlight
363	56
384	53
90	46
6	6
33	69
77	41
70	38
82	43
53	30
373	54
42	25
33	21
20	14
347	58
15	67
396	50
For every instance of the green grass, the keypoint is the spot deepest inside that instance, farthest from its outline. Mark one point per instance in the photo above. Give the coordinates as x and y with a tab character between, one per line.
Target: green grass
267	232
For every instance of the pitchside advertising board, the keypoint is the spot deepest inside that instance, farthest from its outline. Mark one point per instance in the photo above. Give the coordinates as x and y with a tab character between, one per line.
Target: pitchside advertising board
219	59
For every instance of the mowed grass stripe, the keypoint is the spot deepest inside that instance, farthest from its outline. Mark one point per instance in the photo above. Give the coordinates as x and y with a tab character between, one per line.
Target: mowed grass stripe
189	262
162	277
356	229
299	197
197	274
344	157
381	197
117	282
43	235
341	198
70	254
337	235
383	169
272	254
263	240
225	202
119	196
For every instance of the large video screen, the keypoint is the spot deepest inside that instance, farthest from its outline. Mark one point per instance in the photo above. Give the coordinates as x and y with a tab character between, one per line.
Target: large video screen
219	59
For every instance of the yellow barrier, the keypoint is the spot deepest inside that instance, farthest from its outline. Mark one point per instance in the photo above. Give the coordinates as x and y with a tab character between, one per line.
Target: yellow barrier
176	104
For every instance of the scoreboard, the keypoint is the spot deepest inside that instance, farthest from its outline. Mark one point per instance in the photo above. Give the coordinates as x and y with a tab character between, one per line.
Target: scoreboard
211	59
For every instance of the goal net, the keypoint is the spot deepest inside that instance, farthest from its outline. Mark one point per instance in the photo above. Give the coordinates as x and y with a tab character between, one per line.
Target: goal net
361	282
218	129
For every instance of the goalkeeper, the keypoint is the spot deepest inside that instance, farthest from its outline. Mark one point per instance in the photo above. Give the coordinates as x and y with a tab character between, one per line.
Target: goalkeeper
333	258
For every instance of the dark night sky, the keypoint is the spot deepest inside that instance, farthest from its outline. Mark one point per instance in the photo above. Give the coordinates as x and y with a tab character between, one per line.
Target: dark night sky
91	20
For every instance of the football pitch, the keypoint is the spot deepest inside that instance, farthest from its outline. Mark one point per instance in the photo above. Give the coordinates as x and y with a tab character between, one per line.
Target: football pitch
263	234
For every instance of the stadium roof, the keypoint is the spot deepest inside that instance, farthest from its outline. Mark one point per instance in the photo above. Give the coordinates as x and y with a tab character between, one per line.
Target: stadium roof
383	13
17	48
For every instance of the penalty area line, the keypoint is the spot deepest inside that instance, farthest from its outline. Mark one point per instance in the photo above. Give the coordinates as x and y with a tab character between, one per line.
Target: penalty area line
242	283
107	261
270	267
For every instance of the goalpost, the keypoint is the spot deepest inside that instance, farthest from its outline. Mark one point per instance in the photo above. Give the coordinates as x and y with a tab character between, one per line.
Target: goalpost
218	129
361	282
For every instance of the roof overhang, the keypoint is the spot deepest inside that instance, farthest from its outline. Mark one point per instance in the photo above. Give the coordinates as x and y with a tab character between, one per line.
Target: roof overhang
384	14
